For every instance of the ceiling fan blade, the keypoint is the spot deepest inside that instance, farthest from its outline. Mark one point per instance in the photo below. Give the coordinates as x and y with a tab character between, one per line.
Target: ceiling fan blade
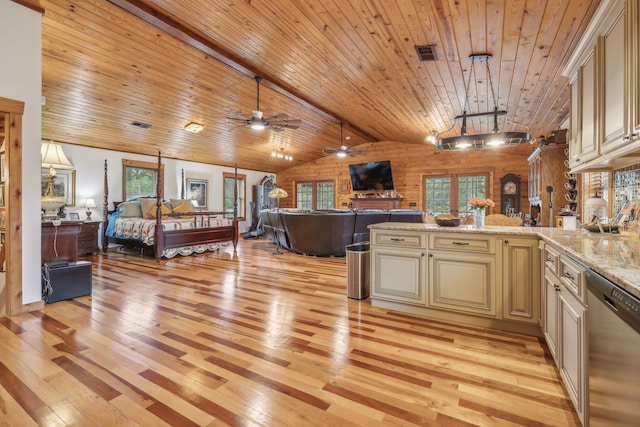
278	117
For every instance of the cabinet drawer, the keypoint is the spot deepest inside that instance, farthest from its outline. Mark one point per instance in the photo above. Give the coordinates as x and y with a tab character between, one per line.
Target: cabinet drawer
551	258
572	275
463	243
399	239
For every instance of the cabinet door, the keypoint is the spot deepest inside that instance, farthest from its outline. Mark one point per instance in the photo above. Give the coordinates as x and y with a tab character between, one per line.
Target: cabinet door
583	141
615	90
399	275
521	279
571	348
550	319
463	282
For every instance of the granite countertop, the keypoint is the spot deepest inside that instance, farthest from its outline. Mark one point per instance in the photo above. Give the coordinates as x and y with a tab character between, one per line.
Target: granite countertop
614	256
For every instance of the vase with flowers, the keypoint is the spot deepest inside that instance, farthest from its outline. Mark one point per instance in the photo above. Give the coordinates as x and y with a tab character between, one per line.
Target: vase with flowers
478	208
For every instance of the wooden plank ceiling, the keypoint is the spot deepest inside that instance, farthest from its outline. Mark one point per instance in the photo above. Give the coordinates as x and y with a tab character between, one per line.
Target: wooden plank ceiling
167	63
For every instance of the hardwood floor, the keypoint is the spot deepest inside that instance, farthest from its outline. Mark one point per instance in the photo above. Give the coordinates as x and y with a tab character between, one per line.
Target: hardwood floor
255	339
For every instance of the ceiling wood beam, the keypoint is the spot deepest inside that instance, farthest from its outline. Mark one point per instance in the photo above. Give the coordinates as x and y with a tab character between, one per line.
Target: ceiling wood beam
169	25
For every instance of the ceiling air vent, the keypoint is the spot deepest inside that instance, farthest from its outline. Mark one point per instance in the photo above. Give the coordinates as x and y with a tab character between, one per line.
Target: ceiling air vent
427	53
141	125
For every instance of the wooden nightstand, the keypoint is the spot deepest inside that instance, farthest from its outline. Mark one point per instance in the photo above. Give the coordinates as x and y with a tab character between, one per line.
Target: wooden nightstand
88	238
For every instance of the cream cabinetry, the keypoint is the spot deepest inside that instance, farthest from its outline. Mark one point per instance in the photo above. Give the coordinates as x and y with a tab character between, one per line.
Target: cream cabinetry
520	279
398	263
463	273
474	277
583	142
605	90
564	322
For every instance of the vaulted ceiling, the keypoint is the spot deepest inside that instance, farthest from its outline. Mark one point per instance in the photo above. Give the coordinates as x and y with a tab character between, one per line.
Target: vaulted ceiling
166	63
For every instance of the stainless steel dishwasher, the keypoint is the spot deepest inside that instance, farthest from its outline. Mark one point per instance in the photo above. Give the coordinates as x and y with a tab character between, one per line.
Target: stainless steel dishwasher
613	322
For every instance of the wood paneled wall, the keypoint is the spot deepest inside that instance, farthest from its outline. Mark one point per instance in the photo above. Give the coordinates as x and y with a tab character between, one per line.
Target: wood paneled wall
410	163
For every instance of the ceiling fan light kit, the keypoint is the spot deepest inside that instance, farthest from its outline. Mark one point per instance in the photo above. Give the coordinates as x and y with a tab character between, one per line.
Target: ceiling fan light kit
495	138
343	151
258	122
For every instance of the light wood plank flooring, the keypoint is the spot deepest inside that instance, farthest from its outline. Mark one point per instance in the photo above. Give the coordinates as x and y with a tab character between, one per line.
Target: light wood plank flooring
256	339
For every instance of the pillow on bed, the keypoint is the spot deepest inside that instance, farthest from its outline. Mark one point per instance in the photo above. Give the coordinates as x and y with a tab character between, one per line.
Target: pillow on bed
164	211
183	208
130	209
149	208
184	205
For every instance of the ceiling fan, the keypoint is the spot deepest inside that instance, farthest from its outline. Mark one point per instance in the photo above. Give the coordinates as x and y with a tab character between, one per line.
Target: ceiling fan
257	121
343	150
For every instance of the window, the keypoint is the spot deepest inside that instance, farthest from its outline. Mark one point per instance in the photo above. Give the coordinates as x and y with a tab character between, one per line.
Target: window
315	195
450	192
139	179
234	187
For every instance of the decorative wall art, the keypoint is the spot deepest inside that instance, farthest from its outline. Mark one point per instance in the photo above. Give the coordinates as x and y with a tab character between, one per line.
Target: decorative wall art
197	191
64	184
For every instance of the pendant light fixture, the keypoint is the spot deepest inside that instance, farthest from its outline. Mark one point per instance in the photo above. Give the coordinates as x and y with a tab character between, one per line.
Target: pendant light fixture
486	140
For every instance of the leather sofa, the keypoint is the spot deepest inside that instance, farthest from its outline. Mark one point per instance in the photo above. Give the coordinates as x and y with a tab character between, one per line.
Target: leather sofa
327	232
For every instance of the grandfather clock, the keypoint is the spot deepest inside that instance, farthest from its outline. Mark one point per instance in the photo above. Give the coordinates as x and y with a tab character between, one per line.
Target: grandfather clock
510	193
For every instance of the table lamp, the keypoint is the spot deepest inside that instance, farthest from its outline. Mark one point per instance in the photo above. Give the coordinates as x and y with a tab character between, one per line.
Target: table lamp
89	203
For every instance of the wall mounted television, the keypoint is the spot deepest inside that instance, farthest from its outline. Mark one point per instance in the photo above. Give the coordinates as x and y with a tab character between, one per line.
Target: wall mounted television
371	177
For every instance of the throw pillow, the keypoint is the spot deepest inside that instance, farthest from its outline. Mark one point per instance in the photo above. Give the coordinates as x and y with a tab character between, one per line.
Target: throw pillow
183	203
130	209
164	211
183	208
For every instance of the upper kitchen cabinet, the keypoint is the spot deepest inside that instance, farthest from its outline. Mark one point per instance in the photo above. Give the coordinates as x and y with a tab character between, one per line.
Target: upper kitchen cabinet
605	93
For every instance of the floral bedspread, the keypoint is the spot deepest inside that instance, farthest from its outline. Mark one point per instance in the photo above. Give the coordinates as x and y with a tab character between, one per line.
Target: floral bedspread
144	230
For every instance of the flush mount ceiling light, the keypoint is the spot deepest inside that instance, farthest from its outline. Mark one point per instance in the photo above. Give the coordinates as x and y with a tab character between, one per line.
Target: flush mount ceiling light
486	140
193	127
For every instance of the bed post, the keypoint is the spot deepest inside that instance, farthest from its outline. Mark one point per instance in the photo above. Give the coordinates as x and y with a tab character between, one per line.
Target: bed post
183	192
105	210
235	207
158	239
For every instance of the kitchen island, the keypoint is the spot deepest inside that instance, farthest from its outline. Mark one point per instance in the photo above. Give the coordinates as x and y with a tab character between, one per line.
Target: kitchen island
517	279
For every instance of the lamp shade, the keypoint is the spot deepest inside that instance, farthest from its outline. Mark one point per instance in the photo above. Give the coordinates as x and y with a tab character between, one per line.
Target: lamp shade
53	156
89	203
278	193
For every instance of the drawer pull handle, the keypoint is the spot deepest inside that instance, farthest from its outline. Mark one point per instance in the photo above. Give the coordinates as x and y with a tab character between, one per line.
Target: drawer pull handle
549	259
396	239
461	243
569	276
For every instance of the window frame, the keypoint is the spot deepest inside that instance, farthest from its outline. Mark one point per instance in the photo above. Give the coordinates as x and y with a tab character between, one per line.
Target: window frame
314	192
242	194
454	190
139	164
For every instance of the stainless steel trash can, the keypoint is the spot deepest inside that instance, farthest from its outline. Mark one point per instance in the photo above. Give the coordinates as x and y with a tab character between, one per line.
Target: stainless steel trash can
358	275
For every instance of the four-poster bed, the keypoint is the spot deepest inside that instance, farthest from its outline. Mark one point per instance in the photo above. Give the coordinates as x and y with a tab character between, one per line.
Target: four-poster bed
171	230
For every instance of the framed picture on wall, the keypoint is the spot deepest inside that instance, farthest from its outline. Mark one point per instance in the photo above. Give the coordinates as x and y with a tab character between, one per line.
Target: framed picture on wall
3	166
64	184
197	192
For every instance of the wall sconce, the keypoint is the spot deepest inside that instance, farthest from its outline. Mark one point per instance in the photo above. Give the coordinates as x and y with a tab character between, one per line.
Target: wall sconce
193	127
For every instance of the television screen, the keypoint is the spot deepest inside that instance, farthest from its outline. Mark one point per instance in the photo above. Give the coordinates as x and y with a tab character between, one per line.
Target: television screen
372	176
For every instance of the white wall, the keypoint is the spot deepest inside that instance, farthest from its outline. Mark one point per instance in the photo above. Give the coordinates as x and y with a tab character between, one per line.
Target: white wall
89	166
21	80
